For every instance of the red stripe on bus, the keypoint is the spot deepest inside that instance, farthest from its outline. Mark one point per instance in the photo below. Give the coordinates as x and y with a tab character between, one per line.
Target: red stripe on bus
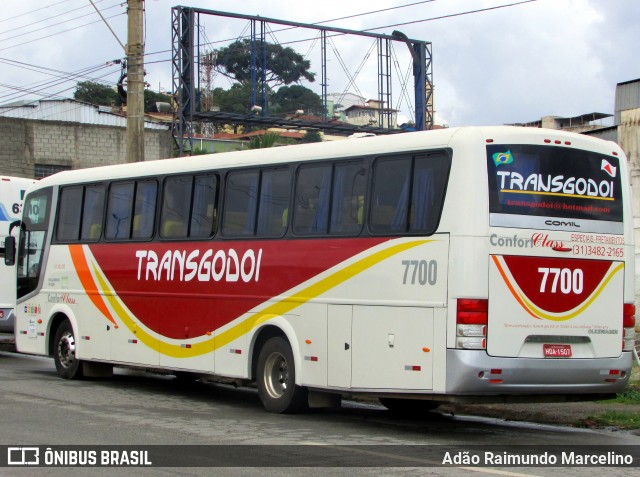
159	295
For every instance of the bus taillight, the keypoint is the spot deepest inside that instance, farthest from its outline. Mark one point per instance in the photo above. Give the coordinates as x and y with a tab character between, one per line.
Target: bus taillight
629	326
471	323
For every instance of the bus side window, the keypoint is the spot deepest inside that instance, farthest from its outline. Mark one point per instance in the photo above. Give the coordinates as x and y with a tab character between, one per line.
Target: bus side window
144	209
390	195
311	207
92	213
274	203
119	211
429	185
204	216
176	202
347	206
241	199
408	193
69	214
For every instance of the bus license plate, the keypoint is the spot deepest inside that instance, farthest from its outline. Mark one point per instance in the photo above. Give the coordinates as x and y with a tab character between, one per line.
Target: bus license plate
557	351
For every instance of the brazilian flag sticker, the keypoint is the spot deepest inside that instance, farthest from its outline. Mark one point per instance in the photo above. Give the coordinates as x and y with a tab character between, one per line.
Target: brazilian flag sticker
500	158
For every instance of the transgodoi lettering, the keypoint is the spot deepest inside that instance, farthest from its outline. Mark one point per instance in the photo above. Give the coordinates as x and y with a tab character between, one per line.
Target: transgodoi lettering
205	266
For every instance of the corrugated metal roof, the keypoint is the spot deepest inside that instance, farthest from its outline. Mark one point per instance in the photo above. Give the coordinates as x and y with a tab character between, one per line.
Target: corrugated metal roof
69	110
627	97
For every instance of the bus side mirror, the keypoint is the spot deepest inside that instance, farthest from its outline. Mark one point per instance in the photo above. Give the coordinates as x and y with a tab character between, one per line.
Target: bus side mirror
9	251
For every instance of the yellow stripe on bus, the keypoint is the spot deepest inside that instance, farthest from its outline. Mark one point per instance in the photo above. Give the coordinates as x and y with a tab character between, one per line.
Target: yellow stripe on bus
279	308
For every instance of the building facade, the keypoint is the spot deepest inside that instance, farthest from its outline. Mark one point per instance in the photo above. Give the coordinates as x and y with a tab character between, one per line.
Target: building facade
43	137
372	113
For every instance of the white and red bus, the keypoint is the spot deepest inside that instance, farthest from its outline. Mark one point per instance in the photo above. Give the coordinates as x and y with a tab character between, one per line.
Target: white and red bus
462	264
12	191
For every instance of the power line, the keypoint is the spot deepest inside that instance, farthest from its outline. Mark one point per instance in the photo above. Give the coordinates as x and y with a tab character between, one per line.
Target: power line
26	92
365	13
57	93
32	11
316	23
107	24
50	26
357	15
16	27
59	77
45	69
321	22
480	10
58	33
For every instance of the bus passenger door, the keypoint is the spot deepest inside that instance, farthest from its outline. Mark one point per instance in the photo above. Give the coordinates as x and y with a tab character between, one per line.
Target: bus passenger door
339	345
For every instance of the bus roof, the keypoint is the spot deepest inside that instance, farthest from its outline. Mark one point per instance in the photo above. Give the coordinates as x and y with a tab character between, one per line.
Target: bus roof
401	142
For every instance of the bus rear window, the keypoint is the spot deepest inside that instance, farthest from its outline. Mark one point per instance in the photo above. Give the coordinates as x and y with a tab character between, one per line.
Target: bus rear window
554	188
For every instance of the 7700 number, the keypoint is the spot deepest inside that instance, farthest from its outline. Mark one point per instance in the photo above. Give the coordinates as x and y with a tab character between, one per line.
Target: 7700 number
420	272
563	279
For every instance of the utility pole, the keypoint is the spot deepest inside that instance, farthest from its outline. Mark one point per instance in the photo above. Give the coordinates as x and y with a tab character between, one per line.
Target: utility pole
135	82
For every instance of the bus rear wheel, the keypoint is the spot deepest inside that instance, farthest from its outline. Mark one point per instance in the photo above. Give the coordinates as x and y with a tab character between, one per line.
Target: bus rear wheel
276	378
68	365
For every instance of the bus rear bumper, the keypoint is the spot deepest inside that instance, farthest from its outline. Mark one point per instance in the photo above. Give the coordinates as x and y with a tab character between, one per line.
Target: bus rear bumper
474	372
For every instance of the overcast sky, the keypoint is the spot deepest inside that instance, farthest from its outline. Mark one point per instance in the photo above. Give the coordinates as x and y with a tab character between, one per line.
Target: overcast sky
504	65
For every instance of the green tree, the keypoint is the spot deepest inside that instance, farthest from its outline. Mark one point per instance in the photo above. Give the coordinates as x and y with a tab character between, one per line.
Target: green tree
96	93
151	98
236	99
283	65
289	99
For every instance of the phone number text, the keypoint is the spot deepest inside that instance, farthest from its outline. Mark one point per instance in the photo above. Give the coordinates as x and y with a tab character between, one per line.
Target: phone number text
598	251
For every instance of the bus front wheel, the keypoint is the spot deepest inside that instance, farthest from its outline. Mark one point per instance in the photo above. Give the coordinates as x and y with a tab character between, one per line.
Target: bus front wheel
68	365
276	378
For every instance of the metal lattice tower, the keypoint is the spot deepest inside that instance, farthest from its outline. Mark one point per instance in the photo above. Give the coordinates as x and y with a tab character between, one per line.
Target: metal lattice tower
182	61
188	109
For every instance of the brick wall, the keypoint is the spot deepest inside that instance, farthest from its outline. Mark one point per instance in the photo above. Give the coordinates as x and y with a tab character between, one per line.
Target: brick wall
24	143
13	149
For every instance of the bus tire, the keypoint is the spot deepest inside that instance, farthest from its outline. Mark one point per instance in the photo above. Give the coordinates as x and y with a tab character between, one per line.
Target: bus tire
64	352
408	406
276	378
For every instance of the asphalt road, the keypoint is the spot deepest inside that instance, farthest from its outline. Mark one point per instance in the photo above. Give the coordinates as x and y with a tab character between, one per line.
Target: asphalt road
138	408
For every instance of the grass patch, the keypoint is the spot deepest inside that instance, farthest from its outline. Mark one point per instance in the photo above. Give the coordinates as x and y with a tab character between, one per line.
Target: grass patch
635	374
621	419
631	395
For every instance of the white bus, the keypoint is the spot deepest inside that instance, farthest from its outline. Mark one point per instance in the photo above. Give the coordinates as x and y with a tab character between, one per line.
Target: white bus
12	191
454	265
